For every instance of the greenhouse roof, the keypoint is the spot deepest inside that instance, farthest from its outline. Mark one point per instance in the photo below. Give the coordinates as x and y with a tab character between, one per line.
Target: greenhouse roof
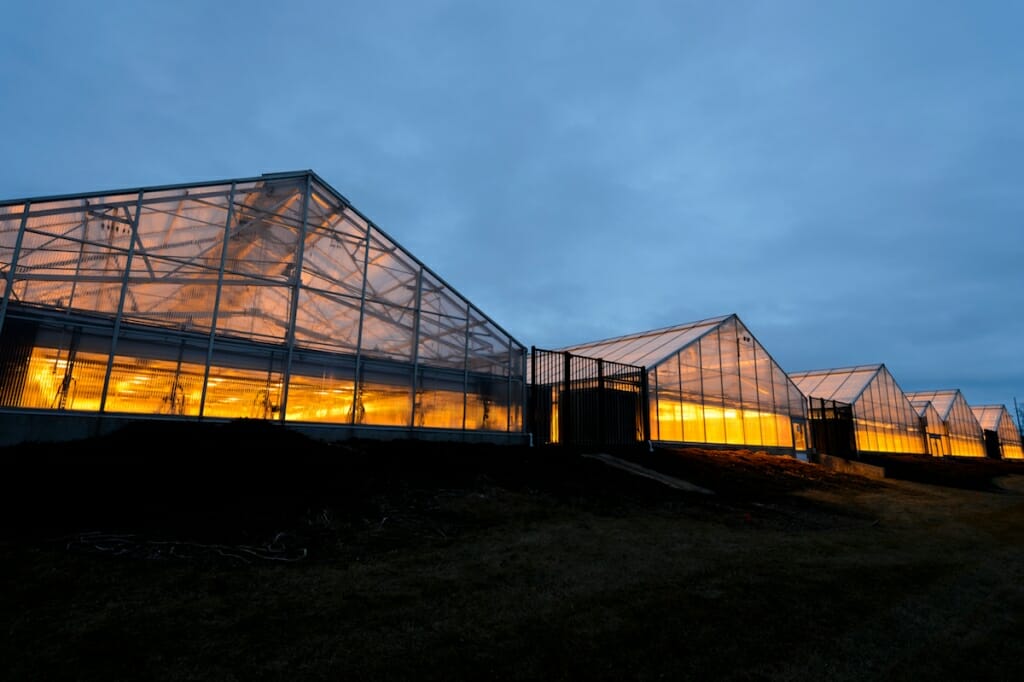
842	384
989	416
650	348
942	400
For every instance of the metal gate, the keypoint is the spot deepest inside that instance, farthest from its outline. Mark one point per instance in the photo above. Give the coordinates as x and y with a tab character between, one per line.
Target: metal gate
831	425
589	402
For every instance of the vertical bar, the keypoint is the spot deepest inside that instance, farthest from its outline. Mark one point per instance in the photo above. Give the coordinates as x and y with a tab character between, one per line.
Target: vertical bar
757	393
645	397
508	389
415	383
524	394
739	385
216	297
601	421
296	285
120	301
357	386
564	399
657	403
534	417
14	264
703	395
683	435
465	366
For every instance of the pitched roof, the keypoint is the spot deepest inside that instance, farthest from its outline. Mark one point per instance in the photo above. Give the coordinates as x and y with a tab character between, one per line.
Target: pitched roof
650	348
842	384
942	400
989	416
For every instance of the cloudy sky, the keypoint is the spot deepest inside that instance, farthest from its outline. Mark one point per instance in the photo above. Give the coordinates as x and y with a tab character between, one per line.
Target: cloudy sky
847	177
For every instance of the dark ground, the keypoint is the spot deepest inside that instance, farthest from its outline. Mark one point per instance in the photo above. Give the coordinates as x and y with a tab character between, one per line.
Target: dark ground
247	552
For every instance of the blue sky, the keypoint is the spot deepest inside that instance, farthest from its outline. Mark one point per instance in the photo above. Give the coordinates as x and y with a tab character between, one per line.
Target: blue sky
845	176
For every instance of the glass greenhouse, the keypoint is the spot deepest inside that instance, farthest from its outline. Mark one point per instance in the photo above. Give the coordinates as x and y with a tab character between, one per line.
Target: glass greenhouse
966	438
711	382
996	419
934	429
268	297
884	420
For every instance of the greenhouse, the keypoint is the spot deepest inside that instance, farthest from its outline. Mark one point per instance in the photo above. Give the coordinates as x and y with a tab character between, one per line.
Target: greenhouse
1002	438
710	382
933	428
883	418
267	297
963	432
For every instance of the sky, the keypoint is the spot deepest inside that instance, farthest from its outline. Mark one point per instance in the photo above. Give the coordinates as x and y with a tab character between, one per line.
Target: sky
846	177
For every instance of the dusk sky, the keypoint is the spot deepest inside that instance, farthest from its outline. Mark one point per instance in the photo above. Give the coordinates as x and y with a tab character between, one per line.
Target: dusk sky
847	177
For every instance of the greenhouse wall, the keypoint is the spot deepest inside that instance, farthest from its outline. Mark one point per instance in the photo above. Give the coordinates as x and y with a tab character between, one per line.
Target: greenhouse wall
267	298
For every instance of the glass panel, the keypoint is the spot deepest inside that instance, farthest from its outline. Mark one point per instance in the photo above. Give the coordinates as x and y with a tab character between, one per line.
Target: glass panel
442	340
387	332
732	413
711	379
769	430
58	367
487	404
157	376
321	389
58	380
693	422
263	241
670	406
690	373
244	384
784	432
752	427
748	370
385	394
391	274
258	313
440	401
328	322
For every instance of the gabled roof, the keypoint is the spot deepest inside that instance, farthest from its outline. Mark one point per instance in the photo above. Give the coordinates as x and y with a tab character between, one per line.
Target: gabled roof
943	400
990	416
927	411
842	384
651	348
921	406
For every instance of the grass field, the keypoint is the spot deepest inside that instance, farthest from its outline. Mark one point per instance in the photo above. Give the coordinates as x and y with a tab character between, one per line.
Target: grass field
244	552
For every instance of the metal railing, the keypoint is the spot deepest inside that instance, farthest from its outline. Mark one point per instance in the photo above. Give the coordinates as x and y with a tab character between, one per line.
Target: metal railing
580	401
831	426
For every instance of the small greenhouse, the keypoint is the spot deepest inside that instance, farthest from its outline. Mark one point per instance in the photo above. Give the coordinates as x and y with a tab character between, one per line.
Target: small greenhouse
883	418
267	297
710	382
965	436
1002	438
